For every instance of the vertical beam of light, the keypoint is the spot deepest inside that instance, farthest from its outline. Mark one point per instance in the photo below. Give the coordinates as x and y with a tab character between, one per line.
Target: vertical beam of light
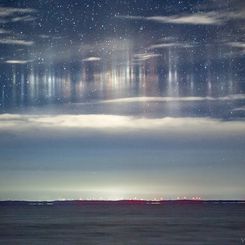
22	87
14	84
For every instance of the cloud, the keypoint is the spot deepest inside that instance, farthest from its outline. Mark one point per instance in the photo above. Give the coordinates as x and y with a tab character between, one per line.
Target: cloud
237	44
6	11
170	45
17	61
239	109
173	99
30	124
23	18
15	14
194	19
238	49
145	56
199	18
90	59
16	42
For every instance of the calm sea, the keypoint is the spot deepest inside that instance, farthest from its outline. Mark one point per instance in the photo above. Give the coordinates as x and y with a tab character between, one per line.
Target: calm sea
123	224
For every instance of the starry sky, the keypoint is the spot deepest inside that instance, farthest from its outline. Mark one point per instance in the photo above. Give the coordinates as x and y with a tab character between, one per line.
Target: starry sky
122	99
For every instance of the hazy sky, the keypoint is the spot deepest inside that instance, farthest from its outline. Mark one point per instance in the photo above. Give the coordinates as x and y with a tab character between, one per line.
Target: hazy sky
122	99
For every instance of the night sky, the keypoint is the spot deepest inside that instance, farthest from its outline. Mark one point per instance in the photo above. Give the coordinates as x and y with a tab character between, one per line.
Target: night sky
121	99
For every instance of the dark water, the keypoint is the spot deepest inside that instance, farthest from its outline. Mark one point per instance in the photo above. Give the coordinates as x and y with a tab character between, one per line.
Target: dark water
123	224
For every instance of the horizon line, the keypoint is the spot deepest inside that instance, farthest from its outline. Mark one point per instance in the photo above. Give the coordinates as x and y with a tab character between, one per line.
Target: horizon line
126	200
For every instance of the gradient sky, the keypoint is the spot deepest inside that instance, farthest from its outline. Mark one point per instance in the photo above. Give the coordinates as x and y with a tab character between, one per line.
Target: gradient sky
122	99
